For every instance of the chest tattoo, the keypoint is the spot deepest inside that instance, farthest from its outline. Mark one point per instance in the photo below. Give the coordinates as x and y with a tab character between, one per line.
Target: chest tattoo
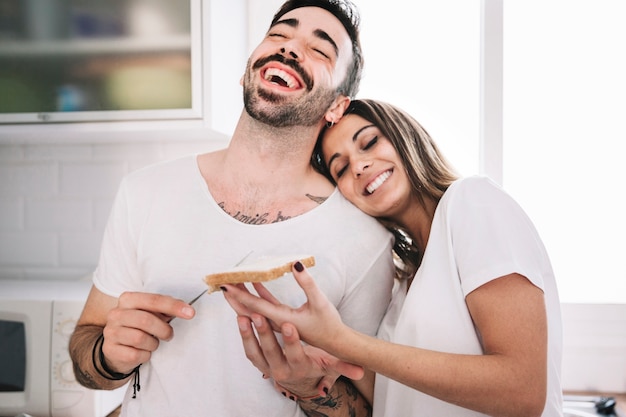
317	199
266	217
255	219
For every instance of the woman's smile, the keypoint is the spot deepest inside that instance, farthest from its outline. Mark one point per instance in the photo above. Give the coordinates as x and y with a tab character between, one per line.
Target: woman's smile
378	181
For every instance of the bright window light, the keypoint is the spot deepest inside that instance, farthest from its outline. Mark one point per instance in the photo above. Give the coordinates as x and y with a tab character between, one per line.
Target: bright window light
423	56
564	134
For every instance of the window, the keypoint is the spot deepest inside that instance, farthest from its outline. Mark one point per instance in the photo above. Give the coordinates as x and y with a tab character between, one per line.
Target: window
423	56
564	133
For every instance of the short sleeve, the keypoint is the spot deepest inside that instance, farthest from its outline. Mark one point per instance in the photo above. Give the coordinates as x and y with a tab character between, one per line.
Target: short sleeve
492	236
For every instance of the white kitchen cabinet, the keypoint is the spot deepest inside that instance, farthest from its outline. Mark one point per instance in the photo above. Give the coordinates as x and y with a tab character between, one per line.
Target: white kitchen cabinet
119	67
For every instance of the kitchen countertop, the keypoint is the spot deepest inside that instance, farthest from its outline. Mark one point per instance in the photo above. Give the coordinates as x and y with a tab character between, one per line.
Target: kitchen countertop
620	399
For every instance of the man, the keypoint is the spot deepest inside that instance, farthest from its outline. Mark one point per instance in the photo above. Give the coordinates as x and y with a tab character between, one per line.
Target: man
174	222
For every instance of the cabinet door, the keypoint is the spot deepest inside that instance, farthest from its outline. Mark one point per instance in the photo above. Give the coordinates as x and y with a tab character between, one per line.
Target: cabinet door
89	60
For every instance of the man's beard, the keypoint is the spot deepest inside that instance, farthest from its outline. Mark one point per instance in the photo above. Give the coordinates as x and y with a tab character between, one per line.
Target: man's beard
305	111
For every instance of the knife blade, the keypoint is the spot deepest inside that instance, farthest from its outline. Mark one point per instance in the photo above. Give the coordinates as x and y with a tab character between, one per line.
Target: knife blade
197	297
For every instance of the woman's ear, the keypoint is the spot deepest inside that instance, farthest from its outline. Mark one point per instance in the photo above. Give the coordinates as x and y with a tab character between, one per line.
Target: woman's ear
337	109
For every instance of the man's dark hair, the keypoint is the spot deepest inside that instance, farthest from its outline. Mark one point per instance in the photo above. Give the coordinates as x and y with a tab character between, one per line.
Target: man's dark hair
347	13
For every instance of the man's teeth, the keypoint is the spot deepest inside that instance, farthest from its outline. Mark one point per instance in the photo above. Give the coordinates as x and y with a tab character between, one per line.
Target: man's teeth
286	79
378	182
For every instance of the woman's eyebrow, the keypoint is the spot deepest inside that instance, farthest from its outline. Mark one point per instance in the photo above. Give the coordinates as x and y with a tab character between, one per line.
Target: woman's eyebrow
332	158
358	132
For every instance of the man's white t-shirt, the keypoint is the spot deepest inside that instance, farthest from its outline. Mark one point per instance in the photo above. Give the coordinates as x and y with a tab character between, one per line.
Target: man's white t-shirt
479	233
166	233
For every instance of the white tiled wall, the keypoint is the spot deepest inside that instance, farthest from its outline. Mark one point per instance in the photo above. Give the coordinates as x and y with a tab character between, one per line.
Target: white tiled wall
55	201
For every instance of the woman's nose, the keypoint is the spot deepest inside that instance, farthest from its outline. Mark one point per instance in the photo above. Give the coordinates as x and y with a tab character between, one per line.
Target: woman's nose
360	167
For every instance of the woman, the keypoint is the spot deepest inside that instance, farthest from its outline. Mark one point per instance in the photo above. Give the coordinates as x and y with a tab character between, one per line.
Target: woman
474	327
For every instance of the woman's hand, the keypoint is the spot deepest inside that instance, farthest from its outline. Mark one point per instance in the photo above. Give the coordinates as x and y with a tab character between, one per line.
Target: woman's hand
297	370
317	321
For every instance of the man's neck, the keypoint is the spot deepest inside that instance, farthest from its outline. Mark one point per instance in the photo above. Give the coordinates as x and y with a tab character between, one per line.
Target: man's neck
266	172
267	142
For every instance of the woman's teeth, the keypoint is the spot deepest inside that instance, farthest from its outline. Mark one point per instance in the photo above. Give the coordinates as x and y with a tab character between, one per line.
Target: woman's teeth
378	182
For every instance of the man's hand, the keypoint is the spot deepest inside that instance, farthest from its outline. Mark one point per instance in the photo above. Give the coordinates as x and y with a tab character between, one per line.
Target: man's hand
132	325
298	371
136	326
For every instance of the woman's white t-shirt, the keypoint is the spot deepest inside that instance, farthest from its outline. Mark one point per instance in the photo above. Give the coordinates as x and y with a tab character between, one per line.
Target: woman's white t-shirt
479	233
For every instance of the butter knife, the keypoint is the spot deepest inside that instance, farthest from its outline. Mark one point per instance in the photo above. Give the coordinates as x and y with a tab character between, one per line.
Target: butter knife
205	291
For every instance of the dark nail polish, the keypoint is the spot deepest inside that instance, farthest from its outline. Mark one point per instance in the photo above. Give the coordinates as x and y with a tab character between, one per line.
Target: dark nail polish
299	267
284	394
224	289
292	398
326	390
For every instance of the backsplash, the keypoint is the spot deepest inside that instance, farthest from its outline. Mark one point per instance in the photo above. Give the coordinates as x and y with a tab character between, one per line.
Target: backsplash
55	201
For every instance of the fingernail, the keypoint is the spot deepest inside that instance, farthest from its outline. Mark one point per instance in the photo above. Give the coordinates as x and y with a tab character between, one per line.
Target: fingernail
187	311
292	398
257	321
299	267
224	289
287	331
284	394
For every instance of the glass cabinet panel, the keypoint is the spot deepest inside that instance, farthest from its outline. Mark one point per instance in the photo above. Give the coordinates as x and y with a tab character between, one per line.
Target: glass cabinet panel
79	60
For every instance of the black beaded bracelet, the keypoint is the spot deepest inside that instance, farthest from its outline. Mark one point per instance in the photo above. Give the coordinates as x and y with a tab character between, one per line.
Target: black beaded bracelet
108	373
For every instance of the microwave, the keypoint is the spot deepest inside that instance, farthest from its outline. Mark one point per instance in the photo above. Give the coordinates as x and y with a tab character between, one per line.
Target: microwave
37	319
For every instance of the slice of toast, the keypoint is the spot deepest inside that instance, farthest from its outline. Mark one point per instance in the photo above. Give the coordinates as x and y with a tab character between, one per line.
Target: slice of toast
260	270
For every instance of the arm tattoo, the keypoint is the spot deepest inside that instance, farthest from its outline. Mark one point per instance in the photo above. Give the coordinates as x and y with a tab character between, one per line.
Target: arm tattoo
84	378
352	392
343	400
81	351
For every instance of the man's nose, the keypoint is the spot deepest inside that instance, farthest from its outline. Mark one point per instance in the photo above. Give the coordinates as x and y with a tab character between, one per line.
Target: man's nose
290	51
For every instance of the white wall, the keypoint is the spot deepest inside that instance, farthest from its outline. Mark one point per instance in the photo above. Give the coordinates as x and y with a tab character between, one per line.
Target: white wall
55	200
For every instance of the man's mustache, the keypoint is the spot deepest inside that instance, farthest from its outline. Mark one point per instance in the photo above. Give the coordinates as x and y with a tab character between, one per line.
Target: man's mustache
288	62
